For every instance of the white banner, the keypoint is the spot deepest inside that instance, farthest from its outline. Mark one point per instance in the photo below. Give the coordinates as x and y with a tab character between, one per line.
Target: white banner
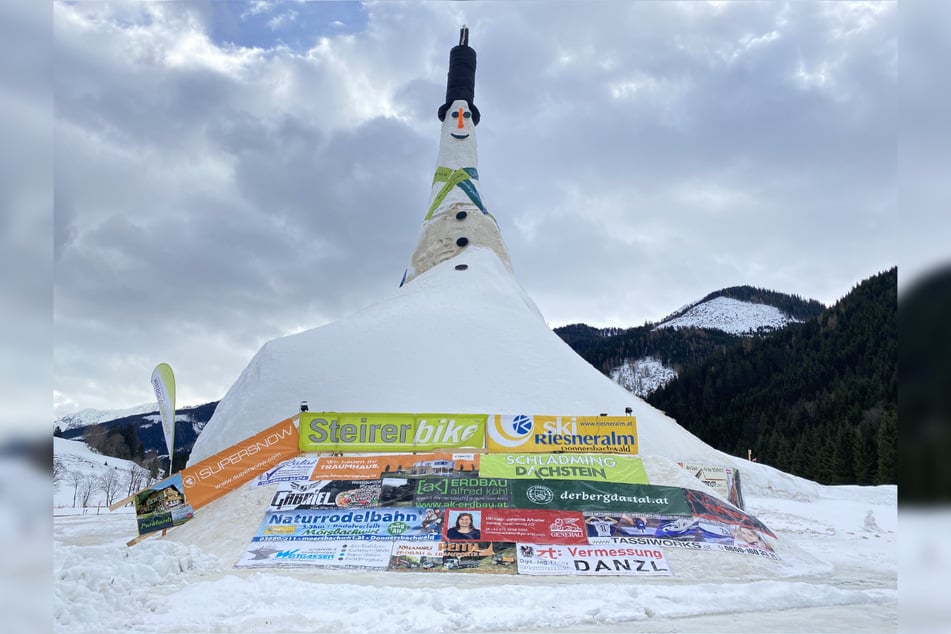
326	554
288	471
163	383
606	559
757	545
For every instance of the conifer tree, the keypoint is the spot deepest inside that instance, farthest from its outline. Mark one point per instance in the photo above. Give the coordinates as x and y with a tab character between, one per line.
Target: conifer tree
888	450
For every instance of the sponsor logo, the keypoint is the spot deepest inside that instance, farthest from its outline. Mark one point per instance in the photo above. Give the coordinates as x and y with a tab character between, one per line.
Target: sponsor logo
539	494
511	431
407	429
297	554
566	527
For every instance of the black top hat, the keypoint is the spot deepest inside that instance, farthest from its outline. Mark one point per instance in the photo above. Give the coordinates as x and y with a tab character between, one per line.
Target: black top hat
460	83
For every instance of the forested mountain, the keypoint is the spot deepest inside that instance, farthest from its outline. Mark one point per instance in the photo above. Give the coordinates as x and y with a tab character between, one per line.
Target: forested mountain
818	399
689	343
139	437
796	307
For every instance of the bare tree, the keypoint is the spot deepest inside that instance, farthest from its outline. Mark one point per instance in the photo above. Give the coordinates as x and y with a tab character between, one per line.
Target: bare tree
109	484
75	478
138	479
87	487
59	471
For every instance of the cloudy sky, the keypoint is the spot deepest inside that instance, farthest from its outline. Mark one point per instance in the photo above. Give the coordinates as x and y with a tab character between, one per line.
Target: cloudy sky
226	173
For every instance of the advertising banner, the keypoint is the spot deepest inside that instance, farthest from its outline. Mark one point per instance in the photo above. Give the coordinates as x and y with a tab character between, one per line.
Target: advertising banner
675	532
326	554
421	556
386	431
162	506
741	544
367	524
606	559
474	557
592	467
671	527
325	494
459	492
562	434
723	480
227	470
163	384
510	525
407	465
298	468
706	507
578	495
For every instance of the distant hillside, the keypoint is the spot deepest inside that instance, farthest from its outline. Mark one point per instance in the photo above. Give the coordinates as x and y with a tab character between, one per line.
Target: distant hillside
642	359
83	478
139	436
793	306
87	417
818	399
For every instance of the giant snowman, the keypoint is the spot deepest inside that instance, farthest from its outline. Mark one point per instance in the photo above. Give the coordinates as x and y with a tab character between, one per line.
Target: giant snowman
460	334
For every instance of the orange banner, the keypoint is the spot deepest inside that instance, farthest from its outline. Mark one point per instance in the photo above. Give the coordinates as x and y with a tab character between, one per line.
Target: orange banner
227	470
373	467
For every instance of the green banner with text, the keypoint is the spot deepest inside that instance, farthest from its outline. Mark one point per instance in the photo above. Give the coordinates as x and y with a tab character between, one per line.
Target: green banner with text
596	467
579	495
384	431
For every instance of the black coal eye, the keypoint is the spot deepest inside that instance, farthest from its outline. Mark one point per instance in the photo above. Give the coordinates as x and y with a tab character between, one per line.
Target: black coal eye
455	115
467	114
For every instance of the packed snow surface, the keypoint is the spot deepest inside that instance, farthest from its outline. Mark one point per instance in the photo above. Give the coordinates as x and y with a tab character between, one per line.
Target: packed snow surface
731	316
471	341
836	575
467	341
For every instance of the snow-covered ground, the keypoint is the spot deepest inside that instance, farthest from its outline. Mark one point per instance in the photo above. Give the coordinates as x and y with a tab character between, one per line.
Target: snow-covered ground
838	573
88	481
730	315
838	545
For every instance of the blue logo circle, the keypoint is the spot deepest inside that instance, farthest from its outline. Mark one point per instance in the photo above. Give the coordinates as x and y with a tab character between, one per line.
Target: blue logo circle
522	425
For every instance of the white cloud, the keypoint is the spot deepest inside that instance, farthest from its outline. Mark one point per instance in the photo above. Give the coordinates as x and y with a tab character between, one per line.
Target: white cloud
638	156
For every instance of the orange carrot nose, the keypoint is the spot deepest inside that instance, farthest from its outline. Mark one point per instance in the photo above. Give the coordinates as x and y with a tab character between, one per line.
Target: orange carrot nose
460	118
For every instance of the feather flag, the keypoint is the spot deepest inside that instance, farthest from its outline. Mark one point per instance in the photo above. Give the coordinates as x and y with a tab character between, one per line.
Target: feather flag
163	382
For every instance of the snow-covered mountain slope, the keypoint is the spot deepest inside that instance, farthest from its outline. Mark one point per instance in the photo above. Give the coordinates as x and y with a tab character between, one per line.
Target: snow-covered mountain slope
729	315
453	341
643	376
93	416
78	468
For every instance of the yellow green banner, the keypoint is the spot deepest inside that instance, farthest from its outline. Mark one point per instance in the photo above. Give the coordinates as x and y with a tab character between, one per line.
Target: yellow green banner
549	434
591	467
387	431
